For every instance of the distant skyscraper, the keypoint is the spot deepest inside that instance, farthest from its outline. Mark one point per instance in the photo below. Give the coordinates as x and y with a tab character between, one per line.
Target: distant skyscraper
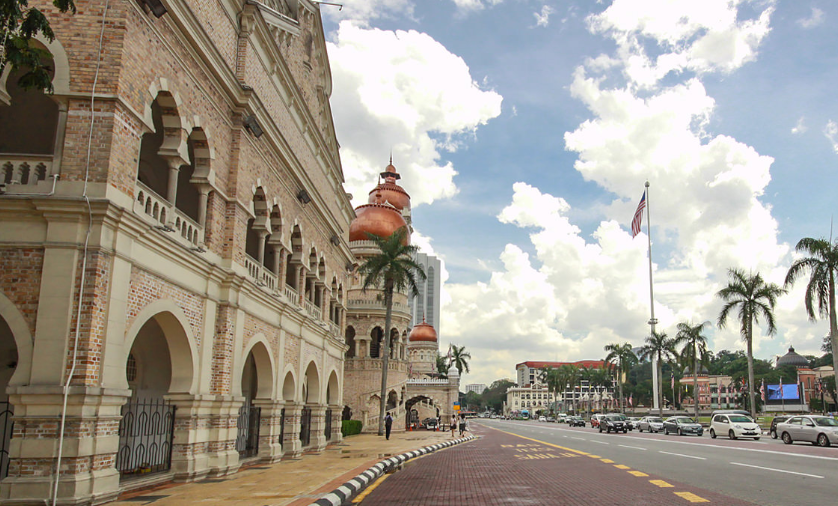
427	303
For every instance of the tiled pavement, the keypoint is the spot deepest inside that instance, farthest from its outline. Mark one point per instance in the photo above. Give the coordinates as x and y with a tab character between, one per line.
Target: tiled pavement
292	482
503	469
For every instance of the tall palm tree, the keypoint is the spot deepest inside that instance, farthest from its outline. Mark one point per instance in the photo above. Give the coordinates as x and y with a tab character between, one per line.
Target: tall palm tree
460	358
586	374
552	378
822	262
621	356
752	296
694	351
659	346
392	270
441	365
600	378
564	376
572	374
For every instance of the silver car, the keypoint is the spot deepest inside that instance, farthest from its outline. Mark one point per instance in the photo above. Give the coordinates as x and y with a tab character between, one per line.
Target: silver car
650	423
819	430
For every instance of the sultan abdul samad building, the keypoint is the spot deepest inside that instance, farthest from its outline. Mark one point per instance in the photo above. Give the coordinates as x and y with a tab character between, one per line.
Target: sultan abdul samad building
176	262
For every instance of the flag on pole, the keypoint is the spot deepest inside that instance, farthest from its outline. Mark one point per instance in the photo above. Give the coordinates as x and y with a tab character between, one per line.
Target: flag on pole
781	387
638	216
631	404
672	382
762	390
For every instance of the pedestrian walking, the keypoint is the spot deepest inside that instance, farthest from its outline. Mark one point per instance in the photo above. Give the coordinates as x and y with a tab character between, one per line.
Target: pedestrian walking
453	424
388	424
463	425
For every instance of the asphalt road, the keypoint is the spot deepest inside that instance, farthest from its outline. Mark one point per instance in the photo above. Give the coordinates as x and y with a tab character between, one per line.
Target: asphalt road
765	472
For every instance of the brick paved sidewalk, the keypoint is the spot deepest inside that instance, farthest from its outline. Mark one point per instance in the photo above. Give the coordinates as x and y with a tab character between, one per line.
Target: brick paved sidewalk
292	482
503	469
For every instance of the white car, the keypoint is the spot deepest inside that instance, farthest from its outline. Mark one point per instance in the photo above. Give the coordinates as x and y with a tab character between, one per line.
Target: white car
542	418
734	426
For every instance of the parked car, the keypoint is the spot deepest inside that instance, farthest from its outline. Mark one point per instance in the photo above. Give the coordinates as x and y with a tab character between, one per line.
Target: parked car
551	419
430	423
819	430
633	422
595	420
542	419
613	422
682	425
650	423
777	419
576	421
734	426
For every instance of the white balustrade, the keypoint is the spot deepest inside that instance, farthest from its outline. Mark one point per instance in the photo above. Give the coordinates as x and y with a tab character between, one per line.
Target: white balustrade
259	273
24	169
427	381
160	213
311	309
292	295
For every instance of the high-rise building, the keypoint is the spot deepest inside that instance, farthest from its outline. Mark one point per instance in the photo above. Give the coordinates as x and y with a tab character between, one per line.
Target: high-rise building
425	307
477	388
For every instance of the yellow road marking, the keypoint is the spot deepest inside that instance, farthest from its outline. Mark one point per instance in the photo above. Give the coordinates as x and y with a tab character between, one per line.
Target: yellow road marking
608	461
620	466
594	456
660	483
544	442
638	473
690	497
369	489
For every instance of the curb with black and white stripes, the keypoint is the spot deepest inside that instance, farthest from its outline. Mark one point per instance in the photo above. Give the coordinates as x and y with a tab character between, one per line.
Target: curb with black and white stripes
352	487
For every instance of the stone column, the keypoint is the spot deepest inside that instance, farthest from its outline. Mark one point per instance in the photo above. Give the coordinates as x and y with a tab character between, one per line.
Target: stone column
282	268
203	197
263	236
337	418
205	435
270	447
291	446
318	426
171	189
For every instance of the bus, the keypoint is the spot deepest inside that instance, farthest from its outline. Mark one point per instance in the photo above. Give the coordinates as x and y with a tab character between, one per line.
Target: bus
525	413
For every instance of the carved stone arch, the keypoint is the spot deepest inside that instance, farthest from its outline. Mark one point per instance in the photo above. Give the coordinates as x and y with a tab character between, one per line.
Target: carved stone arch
289	385
60	68
321	267
176	127
333	392
310	392
312	259
275	221
180	340
201	153
261	349
23	340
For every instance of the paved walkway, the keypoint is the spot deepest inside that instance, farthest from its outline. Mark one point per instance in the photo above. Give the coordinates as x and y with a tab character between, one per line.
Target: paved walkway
503	469
292	482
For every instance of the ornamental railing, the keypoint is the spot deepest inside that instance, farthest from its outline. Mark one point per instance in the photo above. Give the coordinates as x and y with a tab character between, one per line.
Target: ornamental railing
247	434
7	424
24	169
305	427
146	432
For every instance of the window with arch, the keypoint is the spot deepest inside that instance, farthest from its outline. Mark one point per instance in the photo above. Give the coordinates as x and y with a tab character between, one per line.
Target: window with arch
375	344
350	341
257	228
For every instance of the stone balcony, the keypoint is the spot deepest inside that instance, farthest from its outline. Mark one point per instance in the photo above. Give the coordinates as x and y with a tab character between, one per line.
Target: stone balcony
159	213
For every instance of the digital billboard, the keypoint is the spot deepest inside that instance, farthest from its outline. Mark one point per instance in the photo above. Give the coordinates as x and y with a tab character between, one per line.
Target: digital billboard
789	393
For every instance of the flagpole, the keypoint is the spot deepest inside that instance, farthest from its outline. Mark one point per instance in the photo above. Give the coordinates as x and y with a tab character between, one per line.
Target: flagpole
652	320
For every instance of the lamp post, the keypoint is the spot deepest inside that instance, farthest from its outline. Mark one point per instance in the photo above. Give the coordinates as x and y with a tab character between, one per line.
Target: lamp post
820	389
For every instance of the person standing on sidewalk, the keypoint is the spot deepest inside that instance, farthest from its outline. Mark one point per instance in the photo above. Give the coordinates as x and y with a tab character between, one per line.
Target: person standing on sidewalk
388	424
453	424
463	425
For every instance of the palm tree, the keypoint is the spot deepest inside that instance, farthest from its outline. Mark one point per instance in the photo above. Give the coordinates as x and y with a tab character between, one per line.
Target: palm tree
822	262
441	365
694	351
392	270
600	377
586	374
753	297
564	376
659	346
621	356
552	378
571	373
460	358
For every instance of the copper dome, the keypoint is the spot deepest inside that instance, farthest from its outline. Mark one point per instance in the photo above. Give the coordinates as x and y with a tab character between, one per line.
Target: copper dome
423	332
392	193
377	219
793	358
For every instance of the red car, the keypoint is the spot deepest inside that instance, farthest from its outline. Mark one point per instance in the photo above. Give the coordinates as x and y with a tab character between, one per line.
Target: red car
595	420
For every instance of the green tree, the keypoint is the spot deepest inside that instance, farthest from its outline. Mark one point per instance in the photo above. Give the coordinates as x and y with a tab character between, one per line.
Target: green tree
392	270
495	395
460	358
661	348
19	23
623	358
600	378
694	351
753	297
571	374
821	261
441	365
552	377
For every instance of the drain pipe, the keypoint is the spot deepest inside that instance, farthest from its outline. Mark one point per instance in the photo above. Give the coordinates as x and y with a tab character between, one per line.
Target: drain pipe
82	276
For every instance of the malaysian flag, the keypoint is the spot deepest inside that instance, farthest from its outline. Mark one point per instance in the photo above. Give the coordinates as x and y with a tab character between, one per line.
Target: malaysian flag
638	216
762	390
630	399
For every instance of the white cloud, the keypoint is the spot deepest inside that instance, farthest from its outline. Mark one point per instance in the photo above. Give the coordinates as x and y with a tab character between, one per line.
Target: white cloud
543	18
800	127
815	19
403	91
831	133
363	11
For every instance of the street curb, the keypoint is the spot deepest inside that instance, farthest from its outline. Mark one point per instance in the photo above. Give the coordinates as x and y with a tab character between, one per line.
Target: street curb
352	487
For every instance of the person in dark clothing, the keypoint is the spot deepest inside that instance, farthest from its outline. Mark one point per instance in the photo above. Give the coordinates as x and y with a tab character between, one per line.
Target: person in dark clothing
388	424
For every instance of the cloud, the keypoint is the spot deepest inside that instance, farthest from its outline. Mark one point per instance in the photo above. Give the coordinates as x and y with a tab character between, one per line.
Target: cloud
800	127
363	11
831	133
815	19
403	91
543	18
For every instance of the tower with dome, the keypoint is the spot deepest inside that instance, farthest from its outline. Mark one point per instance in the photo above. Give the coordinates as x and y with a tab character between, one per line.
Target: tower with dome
414	389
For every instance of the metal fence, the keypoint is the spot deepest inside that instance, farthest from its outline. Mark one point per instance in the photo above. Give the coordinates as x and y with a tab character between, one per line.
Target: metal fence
282	429
145	437
328	425
7	424
247	438
305	427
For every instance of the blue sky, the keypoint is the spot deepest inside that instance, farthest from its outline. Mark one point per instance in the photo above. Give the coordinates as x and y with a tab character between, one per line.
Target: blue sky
525	130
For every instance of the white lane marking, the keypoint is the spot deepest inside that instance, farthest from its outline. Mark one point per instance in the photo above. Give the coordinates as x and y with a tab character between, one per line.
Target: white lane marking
634	447
579	438
682	455
600	442
777	470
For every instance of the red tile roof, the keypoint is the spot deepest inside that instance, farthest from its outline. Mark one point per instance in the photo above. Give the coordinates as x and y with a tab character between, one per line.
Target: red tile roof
580	363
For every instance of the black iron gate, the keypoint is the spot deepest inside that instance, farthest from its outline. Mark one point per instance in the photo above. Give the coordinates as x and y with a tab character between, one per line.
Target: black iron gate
328	425
145	437
247	439
7	424
282	429
305	427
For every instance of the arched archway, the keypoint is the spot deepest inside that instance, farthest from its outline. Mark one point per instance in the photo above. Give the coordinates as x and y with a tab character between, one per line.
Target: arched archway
333	394
311	385
422	411
375	344
256	383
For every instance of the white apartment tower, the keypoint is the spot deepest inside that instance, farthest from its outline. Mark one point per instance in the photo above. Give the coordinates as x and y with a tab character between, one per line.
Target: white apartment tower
426	305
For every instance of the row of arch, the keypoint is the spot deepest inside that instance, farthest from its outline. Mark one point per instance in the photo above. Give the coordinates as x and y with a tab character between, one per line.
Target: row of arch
371	346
